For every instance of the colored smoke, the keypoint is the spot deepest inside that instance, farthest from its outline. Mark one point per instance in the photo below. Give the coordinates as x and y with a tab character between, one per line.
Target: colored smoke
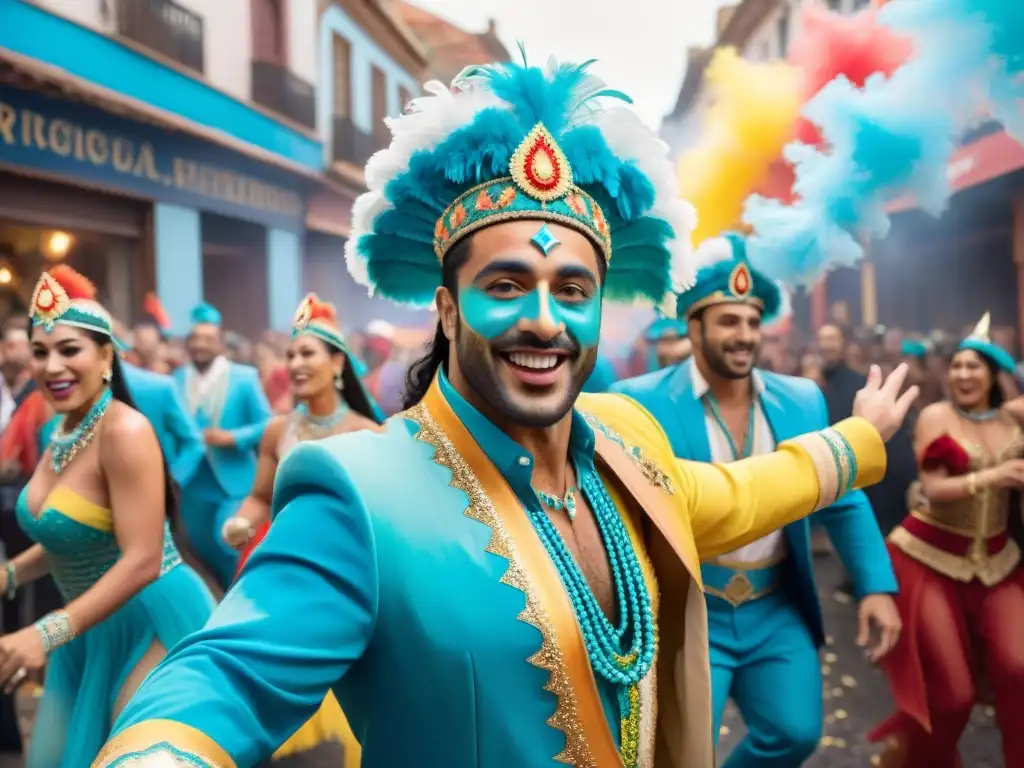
893	137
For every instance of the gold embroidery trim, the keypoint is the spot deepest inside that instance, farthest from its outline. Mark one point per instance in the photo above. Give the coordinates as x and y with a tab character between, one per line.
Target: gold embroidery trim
151	742
819	451
649	468
549	658
989	570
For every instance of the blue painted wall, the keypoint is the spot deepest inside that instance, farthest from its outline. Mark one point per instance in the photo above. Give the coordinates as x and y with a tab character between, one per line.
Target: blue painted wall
179	256
33	32
284	276
365	55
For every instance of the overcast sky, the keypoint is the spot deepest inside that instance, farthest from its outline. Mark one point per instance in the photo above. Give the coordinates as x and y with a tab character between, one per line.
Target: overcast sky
640	44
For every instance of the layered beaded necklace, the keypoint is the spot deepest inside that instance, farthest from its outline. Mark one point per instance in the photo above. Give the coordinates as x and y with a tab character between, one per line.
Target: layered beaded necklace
65	446
623	654
315	427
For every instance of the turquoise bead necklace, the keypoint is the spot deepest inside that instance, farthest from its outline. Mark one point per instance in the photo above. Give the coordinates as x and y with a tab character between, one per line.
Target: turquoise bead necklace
323	426
623	654
65	446
716	414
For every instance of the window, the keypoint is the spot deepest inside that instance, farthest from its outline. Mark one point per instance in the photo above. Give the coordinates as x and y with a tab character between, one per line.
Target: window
341	52
268	32
380	107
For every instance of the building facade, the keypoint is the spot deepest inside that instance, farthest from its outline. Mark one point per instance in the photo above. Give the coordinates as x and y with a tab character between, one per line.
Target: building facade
166	145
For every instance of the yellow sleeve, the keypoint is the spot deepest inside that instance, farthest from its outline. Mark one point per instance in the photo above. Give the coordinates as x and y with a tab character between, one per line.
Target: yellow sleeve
734	504
729	505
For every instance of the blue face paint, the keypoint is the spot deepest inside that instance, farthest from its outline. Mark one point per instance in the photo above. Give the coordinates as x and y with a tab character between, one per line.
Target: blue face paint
491	316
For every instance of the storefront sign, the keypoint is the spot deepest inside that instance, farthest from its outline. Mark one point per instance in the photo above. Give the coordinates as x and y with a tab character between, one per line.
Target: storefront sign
89	145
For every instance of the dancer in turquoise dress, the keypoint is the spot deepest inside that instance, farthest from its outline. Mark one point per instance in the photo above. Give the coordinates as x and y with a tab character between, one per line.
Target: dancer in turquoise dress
96	508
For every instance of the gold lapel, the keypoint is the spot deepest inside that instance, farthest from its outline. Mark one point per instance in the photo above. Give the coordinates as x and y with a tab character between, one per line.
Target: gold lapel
656	498
580	713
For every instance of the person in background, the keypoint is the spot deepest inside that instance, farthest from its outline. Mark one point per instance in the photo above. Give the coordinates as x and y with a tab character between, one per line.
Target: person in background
15	375
239	349
764	614
888	498
667	343
602	377
812	367
332	401
961	580
97	507
274	376
148	348
228	404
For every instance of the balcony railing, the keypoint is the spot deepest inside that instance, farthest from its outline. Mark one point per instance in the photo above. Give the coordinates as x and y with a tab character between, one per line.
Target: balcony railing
278	89
164	27
351	144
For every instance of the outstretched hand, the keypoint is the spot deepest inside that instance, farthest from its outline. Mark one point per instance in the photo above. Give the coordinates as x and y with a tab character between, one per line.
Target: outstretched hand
881	403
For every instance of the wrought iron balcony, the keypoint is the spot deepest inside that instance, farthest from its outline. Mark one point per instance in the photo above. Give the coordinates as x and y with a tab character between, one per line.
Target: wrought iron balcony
164	27
351	144
278	89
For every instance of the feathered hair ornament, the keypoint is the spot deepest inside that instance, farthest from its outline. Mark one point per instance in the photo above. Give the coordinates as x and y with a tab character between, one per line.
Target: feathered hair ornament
511	141
64	296
320	319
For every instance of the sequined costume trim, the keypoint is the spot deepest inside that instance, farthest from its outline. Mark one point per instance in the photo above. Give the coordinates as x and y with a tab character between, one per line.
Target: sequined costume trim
162	744
988	569
654	474
581	743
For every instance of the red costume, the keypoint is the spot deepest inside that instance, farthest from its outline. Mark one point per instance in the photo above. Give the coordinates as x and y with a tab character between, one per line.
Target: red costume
962	602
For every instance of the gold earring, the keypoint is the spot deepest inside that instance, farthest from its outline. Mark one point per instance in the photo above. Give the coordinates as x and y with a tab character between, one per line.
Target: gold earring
108	377
338	382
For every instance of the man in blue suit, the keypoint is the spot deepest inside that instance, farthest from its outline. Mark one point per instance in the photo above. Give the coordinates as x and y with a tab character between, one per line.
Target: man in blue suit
157	397
228	404
765	624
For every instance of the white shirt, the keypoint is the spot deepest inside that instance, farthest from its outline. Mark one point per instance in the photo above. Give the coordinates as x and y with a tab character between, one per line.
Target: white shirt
768	549
6	404
204	389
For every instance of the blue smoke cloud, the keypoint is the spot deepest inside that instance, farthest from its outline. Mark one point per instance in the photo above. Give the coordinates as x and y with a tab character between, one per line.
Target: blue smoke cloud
893	137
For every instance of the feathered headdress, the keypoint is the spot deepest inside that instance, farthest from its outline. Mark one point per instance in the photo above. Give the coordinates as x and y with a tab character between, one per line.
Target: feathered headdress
980	342
726	277
320	319
512	141
63	296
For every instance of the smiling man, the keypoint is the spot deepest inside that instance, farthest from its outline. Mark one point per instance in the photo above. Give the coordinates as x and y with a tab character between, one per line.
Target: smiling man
765	620
482	583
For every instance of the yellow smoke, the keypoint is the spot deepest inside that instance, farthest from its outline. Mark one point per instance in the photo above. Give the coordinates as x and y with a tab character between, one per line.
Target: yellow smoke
752	113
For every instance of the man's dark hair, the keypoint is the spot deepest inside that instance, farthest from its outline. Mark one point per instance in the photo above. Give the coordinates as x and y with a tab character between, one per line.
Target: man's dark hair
844	332
421	373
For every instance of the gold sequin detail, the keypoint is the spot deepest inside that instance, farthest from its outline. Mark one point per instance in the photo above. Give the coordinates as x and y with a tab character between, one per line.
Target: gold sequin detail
653	473
566	717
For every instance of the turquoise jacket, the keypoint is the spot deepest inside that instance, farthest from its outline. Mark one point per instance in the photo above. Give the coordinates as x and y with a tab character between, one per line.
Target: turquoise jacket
157	397
402	573
245	414
793	406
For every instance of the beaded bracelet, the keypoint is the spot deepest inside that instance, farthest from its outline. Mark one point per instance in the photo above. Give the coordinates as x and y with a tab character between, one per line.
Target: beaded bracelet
55	630
12	581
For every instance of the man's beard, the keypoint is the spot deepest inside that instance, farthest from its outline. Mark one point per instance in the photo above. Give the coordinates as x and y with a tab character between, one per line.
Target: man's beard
478	361
716	360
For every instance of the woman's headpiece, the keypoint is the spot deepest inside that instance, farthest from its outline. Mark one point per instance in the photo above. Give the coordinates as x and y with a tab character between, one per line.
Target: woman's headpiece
511	141
320	319
63	296
980	342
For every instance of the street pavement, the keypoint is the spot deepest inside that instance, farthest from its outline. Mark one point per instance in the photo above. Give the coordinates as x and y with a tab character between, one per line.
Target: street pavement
856	696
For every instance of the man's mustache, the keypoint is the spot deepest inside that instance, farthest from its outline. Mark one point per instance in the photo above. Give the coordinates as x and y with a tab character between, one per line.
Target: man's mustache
738	346
524	339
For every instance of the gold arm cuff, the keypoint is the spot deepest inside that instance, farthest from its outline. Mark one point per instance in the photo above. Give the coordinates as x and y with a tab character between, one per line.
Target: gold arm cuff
162	744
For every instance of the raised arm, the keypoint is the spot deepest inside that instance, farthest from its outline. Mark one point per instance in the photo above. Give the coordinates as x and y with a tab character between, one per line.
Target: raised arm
731	505
230	694
255	509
